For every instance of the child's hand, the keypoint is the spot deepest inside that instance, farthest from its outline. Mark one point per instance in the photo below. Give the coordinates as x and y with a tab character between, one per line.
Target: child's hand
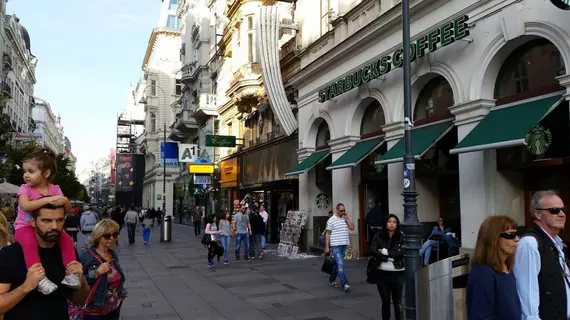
58	201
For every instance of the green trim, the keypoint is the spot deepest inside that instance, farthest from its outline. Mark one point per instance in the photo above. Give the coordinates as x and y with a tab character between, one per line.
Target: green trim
353	156
309	163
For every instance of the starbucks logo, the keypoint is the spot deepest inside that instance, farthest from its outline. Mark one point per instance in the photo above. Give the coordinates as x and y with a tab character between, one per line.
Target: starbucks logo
538	140
322	201
379	167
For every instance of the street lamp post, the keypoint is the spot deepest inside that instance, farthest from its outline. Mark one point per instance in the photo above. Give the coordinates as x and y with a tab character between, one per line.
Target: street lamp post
411	226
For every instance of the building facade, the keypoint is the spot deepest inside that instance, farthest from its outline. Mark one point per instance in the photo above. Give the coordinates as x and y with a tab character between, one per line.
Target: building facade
48	126
489	92
159	91
19	65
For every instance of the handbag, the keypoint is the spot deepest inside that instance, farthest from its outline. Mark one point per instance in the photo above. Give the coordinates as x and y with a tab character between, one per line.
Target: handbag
206	238
372	273
74	310
328	265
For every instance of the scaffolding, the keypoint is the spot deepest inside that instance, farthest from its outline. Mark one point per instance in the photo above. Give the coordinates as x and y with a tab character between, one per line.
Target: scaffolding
127	131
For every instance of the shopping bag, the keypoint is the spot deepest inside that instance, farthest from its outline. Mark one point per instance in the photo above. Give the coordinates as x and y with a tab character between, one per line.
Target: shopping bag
328	265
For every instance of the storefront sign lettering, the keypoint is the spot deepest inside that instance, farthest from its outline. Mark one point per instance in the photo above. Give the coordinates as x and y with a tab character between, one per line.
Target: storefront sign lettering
443	36
220	141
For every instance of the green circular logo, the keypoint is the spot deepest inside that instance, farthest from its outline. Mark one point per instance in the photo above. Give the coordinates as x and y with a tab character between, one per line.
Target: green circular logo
538	140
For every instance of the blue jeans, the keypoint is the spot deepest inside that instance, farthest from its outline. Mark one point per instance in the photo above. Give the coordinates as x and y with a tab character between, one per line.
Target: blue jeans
242	238
262	242
426	249
146	234
225	240
338	253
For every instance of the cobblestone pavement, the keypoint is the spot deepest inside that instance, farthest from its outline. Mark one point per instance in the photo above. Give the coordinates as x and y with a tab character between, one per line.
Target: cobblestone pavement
172	281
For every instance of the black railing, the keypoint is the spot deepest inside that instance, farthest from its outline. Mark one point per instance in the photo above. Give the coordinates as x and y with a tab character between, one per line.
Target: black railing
7	61
6	89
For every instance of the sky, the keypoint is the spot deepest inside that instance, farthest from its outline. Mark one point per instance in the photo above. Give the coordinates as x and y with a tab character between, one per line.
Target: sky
89	52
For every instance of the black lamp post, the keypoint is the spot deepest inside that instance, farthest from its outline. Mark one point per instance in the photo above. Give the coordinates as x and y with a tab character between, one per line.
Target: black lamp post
411	226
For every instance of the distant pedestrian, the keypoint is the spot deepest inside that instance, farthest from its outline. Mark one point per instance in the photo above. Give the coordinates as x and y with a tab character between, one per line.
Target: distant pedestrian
225	227
257	231
265	217
242	231
72	224
131	220
147	224
87	222
492	288
213	247
197	221
337	241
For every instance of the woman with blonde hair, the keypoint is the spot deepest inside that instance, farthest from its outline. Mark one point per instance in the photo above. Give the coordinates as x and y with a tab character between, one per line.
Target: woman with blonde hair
5	236
491	288
102	270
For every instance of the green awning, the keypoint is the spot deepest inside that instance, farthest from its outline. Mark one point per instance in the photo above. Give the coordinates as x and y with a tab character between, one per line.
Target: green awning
357	153
423	138
507	126
309	163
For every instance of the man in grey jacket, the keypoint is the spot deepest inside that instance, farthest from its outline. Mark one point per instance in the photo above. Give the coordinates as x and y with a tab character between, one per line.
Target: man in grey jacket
131	220
88	221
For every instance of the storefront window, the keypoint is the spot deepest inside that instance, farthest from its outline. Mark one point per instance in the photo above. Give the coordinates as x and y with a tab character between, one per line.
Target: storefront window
529	71
323	134
373	118
434	100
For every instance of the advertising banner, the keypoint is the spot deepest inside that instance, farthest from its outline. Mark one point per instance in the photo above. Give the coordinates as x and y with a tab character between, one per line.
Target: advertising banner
124	172
169	154
19	136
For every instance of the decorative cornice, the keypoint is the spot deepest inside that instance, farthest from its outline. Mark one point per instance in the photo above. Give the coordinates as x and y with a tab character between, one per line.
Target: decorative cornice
342	144
151	42
304	153
564	81
471	111
393	131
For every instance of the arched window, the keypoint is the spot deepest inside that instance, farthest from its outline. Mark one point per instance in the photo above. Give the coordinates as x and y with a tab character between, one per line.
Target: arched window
434	100
373	118
530	71
152	122
323	134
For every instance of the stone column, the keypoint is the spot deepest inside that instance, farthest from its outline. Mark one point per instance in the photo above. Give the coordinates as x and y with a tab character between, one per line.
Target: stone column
394	132
305	204
345	184
483	190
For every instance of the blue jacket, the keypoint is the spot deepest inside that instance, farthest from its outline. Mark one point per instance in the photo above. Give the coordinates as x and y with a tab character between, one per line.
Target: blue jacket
90	264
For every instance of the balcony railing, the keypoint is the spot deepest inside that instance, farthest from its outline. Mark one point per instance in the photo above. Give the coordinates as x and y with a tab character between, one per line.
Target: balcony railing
7	61
266	137
6	90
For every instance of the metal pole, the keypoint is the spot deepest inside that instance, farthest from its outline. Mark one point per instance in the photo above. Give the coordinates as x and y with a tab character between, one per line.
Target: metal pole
411	226
164	168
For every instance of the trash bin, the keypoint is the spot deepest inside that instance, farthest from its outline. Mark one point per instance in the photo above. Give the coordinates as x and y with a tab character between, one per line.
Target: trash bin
166	229
441	289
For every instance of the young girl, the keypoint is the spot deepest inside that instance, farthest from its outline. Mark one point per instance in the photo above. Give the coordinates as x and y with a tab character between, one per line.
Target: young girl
39	169
213	248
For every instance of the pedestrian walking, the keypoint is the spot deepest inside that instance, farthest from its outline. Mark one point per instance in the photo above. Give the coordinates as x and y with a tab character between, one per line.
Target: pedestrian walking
19	299
387	248
225	227
39	170
72	224
213	247
543	278
491	288
337	241
265	217
147	223
102	269
131	220
242	231
257	232
87	223
197	221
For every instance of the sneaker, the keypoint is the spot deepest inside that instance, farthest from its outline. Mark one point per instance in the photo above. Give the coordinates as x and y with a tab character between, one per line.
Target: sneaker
145	243
247	260
261	255
227	262
72	281
46	287
333	284
237	260
346	287
211	264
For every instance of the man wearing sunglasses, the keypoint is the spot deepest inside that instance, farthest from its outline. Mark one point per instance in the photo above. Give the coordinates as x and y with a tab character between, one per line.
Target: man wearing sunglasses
337	241
541	273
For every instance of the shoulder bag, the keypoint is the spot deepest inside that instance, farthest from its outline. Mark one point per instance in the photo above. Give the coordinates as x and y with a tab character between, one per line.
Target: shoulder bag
76	310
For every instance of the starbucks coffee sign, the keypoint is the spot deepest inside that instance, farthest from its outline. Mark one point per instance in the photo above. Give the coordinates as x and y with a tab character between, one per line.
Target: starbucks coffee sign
562	4
538	140
443	36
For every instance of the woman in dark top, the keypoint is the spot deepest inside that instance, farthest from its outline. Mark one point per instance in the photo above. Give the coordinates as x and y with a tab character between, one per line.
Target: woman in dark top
72	225
491	288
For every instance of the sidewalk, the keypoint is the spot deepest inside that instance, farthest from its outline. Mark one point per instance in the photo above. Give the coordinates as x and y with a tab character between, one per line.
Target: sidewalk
172	281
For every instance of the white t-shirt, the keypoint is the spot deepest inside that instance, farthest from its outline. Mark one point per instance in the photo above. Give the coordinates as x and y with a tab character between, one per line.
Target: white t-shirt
339	231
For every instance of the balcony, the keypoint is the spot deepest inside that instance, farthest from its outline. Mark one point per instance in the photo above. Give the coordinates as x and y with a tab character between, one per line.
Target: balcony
176	135
266	137
206	107
188	73
184	123
248	75
5	90
6	62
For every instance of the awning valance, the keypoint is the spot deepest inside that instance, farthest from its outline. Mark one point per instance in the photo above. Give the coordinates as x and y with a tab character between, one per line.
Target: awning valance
310	162
357	153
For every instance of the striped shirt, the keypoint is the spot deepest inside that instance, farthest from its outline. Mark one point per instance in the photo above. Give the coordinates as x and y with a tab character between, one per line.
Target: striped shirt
339	231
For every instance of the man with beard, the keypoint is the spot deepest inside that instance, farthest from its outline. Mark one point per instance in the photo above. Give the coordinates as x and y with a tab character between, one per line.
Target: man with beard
19	298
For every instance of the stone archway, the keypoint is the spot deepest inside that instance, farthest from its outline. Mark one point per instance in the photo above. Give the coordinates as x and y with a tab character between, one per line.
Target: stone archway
433	96
357	112
310	140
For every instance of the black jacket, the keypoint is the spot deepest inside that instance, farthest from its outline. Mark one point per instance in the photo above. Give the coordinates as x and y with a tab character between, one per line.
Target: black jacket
257	224
393	245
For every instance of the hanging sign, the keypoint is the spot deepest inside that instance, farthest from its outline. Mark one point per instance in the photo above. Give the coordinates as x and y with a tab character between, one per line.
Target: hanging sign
443	36
187	152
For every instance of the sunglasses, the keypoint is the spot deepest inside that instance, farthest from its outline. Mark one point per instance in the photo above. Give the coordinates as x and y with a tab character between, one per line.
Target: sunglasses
552	210
509	235
108	236
342	210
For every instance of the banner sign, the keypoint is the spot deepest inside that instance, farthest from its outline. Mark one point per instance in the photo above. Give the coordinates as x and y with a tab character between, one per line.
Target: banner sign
220	141
169	154
20	136
202	179
187	152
